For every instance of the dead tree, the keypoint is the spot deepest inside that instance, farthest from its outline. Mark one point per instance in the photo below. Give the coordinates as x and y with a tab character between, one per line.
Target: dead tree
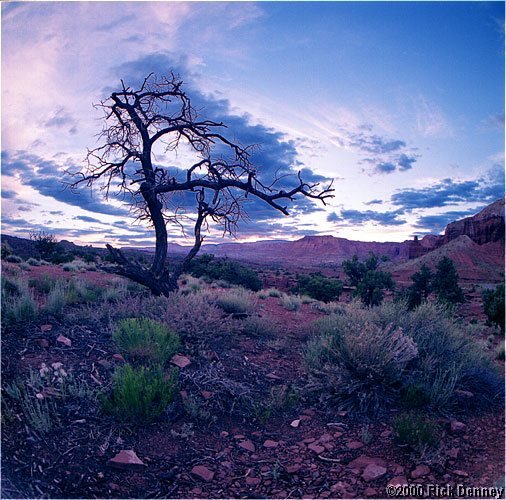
159	118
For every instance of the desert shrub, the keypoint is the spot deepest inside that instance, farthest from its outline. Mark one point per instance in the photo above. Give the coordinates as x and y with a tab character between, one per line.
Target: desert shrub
14	259
415	430
42	284
5	250
18	304
236	301
82	291
319	287
367	360
493	305
145	340
70	267
33	262
232	272
274	292
116	290
60	257
262	295
57	298
140	395
257	326
291	302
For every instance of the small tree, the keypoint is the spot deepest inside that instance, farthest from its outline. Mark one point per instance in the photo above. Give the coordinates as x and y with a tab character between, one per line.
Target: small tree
159	119
45	243
319	287
446	282
493	304
421	287
369	282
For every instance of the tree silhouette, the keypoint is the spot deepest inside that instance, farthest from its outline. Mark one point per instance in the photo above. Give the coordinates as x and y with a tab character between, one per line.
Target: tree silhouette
159	118
445	282
421	287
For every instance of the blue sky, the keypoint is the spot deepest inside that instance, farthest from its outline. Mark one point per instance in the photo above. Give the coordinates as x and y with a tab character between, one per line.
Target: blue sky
401	103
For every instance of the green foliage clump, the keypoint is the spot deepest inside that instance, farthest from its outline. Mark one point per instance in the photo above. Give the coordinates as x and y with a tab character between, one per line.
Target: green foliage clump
369	283
368	359
18	303
421	288
145	340
233	272
140	395
236	301
319	287
291	302
445	282
33	262
415	430
14	259
493	304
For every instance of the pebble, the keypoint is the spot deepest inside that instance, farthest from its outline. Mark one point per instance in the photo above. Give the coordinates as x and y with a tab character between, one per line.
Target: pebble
202	472
420	471
126	460
457	427
63	340
247	445
269	443
373	471
354	445
180	361
295	423
316	448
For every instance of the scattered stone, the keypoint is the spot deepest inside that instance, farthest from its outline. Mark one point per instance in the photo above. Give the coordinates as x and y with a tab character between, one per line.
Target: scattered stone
223	434
309	440
398	480
464	394
295	423
293	469
42	343
203	473
247	445
118	357
386	433
338	434
354	445
46	328
64	340
397	469
207	394
253	481
239	436
126	460
196	492
363	461
272	376
373	471
370	492
457	427
269	443
325	438
420	471
180	361
316	448
454	452
460	473
39	395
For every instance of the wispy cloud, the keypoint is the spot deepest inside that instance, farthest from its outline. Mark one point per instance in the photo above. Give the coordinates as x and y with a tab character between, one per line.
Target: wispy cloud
357	217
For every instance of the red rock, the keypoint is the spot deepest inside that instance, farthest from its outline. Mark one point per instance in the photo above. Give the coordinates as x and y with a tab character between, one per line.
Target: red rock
316	448
223	434
363	461
293	469
239	436
207	394
118	357
338	434
373	471
354	445
180	361
295	423
464	394
253	481
397	469
457	427
272	376
325	438
370	492
46	328
386	433
64	340
247	445
126	460
398	480
342	413
309	440
202	472
270	444
460	473
454	452
196	492
42	343
420	471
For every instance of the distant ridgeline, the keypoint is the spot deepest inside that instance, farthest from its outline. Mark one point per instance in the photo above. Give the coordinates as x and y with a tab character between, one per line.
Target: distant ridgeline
485	227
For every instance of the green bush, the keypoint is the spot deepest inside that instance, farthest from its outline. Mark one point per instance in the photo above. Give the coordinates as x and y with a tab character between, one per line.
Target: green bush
415	430
319	287
140	395
368	359
257	326
274	292
33	262
445	282
145	340
236	301
18	304
233	272
14	259
291	302
493	304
